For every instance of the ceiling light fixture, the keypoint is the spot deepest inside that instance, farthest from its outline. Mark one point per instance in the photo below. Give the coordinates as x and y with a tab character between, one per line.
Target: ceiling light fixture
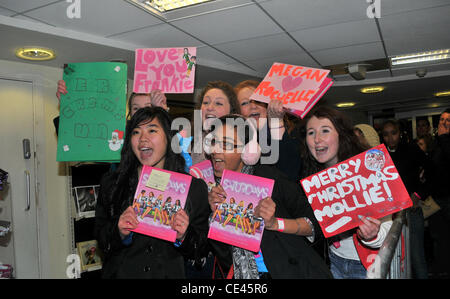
345	104
159	7
35	53
372	89
421	57
442	93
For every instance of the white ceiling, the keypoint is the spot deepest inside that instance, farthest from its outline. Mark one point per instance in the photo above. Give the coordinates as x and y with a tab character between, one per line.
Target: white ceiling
240	39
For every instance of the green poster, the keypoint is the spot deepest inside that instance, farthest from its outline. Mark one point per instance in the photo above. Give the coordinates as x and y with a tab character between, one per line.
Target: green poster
92	113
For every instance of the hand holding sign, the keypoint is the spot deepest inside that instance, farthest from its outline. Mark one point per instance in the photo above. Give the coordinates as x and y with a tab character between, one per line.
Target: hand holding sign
369	229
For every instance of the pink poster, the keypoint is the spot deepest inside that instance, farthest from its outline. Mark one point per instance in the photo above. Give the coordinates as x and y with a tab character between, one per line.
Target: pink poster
204	171
160	194
233	222
171	70
367	184
326	84
296	86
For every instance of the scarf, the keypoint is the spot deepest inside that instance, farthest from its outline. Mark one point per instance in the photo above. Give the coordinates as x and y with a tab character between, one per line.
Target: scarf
244	262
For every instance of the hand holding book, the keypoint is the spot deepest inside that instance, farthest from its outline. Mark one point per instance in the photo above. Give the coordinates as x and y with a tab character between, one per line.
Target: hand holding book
266	210
127	222
216	196
180	223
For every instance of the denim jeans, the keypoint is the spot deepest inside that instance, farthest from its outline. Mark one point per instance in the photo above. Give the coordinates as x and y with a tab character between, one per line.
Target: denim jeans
342	268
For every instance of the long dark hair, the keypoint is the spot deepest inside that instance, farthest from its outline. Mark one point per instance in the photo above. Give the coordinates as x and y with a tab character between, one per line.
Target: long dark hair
126	174
349	144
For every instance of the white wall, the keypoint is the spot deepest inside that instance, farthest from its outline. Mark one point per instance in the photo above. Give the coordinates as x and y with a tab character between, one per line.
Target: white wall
53	196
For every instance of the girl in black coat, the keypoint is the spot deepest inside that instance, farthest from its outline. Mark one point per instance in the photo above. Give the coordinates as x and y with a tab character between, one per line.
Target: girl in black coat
148	141
287	215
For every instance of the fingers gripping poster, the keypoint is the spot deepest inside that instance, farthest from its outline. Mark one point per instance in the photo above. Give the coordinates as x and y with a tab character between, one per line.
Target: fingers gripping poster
367	185
92	113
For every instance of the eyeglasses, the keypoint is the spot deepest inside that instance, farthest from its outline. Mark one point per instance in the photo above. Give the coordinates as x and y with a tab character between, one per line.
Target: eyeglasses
226	146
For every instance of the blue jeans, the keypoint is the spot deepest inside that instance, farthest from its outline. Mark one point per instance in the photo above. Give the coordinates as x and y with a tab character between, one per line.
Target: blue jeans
342	268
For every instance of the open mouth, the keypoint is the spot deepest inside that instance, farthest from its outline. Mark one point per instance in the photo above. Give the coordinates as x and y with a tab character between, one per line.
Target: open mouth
217	162
255	115
145	152
321	150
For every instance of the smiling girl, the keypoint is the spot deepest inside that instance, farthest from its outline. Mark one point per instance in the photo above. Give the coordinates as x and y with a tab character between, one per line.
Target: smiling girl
287	216
132	255
330	139
216	100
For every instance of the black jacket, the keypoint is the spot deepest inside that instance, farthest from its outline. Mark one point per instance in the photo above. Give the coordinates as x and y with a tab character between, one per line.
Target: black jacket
285	255
148	257
438	176
409	160
289	160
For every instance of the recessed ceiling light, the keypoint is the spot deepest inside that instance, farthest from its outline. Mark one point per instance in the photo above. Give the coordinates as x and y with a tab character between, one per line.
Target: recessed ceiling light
35	53
372	89
442	93
345	104
160	7
168	5
420	57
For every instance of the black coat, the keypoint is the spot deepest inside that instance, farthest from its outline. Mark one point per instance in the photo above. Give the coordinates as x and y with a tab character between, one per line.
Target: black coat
289	160
409	160
148	257
285	255
438	176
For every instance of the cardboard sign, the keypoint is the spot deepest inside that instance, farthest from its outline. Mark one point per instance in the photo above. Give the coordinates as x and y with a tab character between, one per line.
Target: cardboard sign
293	85
326	84
171	70
367	184
156	208
92	113
233	221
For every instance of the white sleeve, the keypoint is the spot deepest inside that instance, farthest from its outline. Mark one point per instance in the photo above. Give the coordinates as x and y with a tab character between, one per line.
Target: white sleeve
386	223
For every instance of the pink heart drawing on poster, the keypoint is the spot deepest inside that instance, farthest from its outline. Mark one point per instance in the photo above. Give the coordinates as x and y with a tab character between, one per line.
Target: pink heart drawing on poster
288	83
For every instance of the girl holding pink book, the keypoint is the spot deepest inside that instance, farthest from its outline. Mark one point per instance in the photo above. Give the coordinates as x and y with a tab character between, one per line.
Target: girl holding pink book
131	255
287	215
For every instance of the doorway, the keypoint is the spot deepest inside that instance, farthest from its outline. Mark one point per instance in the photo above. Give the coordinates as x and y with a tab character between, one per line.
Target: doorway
17	157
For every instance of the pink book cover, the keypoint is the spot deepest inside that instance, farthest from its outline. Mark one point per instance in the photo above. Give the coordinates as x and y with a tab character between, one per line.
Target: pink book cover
326	84
233	222
204	171
155	208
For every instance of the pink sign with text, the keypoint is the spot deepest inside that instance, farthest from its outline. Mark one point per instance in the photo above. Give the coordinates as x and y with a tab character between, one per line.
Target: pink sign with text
171	70
233	221
293	85
154	207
